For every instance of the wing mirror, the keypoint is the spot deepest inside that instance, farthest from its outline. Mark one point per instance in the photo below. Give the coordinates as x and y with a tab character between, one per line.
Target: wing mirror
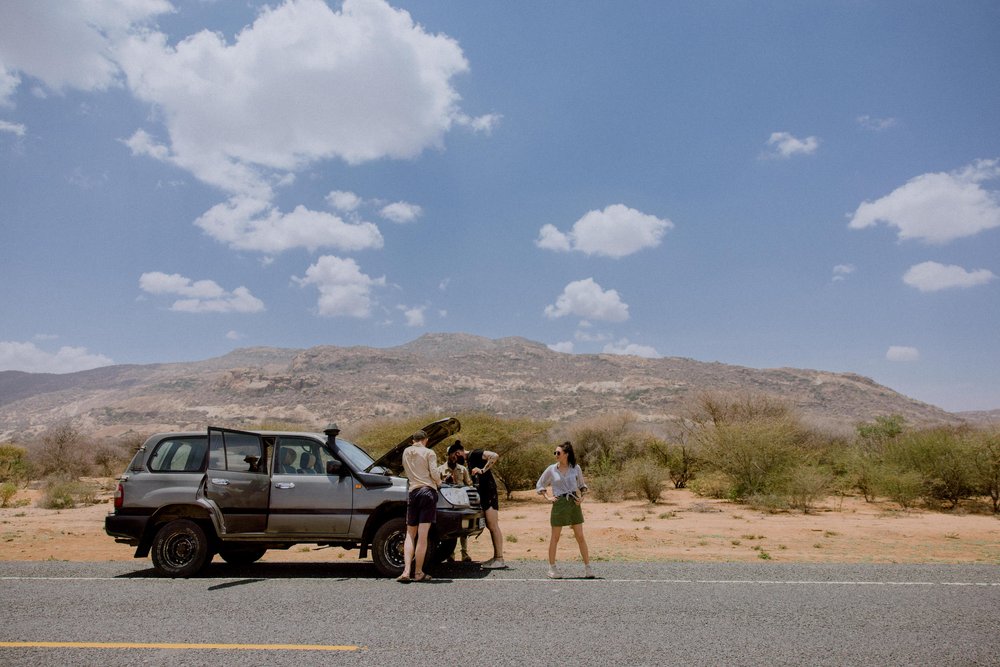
334	467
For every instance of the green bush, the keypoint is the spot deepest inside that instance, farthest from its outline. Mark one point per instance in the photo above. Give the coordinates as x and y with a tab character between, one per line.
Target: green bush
805	485
644	478
7	492
986	461
604	479
680	461
61	494
943	457
899	485
712	484
14	466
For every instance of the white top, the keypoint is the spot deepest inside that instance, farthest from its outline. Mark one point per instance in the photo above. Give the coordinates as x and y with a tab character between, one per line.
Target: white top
562	483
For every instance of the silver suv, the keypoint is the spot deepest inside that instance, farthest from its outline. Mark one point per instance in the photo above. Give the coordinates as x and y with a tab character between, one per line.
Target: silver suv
188	496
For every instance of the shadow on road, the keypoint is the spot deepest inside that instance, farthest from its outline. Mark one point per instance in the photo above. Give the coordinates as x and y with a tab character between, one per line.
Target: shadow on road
295	570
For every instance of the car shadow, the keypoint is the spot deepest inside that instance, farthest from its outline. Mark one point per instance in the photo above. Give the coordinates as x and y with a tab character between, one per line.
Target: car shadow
255	572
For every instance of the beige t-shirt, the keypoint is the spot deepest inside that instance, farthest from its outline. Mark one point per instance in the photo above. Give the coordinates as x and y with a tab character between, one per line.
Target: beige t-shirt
420	465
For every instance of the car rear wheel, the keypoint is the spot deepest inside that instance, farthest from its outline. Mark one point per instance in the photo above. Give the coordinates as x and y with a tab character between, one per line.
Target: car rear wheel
242	556
387	547
180	549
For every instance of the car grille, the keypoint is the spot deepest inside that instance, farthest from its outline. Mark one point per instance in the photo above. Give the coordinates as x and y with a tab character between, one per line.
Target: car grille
473	496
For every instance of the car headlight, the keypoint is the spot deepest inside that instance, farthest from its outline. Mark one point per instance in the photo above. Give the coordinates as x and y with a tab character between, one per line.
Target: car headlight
455	495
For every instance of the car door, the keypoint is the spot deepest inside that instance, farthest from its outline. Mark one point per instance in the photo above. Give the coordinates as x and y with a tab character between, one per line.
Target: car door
305	500
236	480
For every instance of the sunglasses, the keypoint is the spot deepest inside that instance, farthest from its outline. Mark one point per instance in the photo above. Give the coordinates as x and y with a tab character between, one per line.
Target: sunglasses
557	453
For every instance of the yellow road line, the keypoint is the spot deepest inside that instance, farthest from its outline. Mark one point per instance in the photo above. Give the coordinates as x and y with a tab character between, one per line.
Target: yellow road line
196	647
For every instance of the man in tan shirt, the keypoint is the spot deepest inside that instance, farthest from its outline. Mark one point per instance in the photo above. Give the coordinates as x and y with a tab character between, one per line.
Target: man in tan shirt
420	465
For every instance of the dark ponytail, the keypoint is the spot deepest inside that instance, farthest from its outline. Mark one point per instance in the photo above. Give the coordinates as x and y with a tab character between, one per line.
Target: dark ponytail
570	456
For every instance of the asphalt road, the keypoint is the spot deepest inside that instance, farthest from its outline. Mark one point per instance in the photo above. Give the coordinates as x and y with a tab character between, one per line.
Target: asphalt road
636	614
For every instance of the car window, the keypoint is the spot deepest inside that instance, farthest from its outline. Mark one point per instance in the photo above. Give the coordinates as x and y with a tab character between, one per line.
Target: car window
178	455
234	451
356	456
301	456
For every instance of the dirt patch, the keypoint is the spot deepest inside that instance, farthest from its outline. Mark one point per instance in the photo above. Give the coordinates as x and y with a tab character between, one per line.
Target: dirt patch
682	527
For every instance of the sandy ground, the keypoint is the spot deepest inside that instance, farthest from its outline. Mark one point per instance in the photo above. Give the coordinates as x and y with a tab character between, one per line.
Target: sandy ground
681	527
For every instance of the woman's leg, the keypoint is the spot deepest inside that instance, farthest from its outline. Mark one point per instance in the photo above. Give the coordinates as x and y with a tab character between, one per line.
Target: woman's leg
582	541
493	525
553	543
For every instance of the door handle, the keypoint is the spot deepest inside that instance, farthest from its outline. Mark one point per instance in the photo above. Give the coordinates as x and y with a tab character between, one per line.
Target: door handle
220	482
284	485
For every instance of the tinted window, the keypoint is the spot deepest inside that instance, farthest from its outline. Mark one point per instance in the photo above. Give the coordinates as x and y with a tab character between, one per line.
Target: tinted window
234	451
301	456
178	455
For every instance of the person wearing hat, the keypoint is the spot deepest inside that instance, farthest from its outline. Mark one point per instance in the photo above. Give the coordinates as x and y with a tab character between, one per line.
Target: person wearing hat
420	465
453	472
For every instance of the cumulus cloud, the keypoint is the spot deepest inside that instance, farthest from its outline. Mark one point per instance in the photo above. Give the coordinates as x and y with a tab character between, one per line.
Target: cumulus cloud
902	353
67	44
343	201
343	289
933	277
401	212
623	346
783	145
938	207
585	298
245	223
841	271
16	129
616	232
27	357
303	83
414	316
566	347
199	296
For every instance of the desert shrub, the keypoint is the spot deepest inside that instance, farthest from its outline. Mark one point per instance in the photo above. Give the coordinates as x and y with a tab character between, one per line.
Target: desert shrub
875	435
14	465
604	479
943	457
986	461
768	502
899	485
111	458
679	460
712	484
805	485
644	478
613	436
60	493
519	468
60	452
7	492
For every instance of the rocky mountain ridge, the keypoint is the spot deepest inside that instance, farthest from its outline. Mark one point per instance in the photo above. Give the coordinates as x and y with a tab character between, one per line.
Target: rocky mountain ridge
434	374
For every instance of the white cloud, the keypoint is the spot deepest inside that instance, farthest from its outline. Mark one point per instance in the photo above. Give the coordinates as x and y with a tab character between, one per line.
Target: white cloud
343	201
234	335
784	145
876	124
199	296
245	223
401	212
932	277
29	358
615	232
585	298
14	128
9	81
566	347
414	316
841	271
902	353
623	346
302	83
343	289
938	207
67	44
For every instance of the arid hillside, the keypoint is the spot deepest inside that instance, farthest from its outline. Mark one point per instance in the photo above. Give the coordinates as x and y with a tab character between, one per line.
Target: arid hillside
437	373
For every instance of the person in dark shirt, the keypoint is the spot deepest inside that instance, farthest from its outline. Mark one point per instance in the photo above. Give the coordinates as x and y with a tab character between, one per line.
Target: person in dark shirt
479	461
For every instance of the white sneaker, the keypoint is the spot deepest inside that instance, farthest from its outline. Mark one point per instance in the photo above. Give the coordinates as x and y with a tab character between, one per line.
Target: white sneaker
554	572
587	572
494	564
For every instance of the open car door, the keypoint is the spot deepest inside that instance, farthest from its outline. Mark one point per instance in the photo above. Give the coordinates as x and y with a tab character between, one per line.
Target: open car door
237	479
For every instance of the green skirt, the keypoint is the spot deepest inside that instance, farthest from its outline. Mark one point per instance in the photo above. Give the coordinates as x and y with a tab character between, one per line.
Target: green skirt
566	512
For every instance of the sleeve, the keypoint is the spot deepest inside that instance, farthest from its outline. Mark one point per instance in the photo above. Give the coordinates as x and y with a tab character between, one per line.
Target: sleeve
466	477
581	483
544	480
432	463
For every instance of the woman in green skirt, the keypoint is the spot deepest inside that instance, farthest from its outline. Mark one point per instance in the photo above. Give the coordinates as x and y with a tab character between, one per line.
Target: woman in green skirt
568	486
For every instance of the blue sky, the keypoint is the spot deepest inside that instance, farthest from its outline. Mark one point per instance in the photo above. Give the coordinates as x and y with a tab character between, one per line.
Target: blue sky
802	184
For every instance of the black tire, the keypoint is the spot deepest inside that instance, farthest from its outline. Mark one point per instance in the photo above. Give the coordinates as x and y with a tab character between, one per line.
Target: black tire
444	549
387	547
180	549
242	555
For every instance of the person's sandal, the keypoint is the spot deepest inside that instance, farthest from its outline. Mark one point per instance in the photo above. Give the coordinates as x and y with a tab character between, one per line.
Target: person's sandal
423	576
403	579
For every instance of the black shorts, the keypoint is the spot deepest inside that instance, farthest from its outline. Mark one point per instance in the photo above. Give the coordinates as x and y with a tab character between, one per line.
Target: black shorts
489	498
421	506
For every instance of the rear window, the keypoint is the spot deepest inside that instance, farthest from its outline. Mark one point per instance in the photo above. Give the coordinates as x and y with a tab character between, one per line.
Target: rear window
179	455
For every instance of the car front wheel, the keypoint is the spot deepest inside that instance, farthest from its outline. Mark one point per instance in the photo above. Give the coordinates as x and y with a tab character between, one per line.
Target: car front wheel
387	547
180	549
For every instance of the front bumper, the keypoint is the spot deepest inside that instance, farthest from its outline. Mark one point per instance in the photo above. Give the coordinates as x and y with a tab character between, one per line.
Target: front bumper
453	523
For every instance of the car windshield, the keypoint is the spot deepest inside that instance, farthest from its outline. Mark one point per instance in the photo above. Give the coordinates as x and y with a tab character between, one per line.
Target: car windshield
354	455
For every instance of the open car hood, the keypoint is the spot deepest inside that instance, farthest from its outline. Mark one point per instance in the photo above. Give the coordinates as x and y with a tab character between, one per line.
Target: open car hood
437	432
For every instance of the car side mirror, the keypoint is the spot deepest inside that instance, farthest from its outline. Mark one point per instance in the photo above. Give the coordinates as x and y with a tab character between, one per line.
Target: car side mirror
334	467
